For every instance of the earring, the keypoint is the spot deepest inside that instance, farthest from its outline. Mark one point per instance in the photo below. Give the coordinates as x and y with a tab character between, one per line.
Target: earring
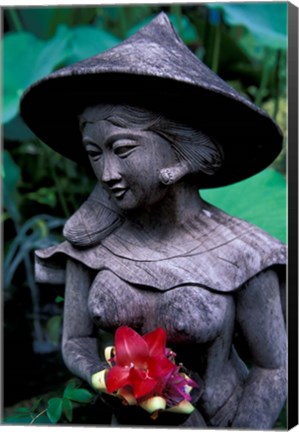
171	175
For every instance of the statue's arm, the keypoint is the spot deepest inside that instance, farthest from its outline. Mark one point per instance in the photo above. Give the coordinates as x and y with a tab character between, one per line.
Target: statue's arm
259	314
79	344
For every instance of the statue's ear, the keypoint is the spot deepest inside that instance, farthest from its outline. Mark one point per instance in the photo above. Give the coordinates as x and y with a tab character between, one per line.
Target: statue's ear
171	175
97	217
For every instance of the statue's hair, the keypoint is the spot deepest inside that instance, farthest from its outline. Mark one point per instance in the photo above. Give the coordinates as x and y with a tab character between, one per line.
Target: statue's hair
190	145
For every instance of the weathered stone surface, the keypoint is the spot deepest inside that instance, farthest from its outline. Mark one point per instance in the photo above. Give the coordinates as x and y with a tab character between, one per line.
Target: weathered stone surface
214	250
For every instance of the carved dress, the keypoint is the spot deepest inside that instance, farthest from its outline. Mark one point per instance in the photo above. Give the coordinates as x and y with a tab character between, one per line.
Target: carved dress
187	288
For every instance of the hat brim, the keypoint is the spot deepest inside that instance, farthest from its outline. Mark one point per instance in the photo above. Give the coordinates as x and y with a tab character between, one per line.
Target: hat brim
250	141
154	69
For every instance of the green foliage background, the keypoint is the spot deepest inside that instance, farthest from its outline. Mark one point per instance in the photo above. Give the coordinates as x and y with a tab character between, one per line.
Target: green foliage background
246	44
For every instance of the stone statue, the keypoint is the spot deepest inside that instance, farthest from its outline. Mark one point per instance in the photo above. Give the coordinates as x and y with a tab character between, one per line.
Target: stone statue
145	250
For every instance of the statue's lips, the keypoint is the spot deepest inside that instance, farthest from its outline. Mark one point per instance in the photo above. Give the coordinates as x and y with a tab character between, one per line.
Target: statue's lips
118	192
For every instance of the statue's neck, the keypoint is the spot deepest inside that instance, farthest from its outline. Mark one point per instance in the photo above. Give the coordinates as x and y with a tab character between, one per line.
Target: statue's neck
180	205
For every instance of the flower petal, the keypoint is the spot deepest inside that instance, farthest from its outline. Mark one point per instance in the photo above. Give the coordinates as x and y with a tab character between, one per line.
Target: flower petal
98	380
142	385
117	377
156	341
183	407
178	388
130	347
153	404
161	367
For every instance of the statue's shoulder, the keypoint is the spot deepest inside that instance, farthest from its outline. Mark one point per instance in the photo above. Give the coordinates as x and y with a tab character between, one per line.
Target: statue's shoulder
234	232
227	252
83	232
50	263
241	250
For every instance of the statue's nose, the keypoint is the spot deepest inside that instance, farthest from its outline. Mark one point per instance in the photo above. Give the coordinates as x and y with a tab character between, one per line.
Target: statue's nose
110	173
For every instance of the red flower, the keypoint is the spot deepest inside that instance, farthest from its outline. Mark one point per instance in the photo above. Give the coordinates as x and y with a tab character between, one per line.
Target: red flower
139	362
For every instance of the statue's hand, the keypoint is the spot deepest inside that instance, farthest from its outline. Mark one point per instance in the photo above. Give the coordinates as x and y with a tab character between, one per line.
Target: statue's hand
136	416
127	414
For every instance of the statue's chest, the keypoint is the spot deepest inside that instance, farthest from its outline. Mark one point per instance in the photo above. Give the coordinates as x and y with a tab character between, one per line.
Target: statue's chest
189	314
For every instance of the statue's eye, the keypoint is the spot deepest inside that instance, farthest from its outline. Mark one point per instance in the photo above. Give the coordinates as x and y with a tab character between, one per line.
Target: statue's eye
94	153
124	150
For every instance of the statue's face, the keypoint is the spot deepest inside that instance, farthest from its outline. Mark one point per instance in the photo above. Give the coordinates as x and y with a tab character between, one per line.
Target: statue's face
127	161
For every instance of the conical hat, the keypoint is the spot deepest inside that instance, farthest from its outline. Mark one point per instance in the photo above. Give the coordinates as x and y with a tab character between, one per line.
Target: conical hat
155	69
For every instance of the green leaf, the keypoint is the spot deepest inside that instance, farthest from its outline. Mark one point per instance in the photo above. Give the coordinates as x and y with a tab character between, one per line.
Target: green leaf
11	173
54	53
17	130
23	410
27	59
70	387
11	178
20	51
253	49
266	21
4	216
18	418
45	196
43	21
54	409
59	299
87	41
79	395
43	228
54	328
68	409
38	20
186	30
260	200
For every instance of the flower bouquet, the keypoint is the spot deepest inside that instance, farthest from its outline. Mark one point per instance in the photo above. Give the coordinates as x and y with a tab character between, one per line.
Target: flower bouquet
143	373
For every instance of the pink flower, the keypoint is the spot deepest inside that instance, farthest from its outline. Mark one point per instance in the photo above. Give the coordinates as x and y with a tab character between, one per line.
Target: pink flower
175	388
